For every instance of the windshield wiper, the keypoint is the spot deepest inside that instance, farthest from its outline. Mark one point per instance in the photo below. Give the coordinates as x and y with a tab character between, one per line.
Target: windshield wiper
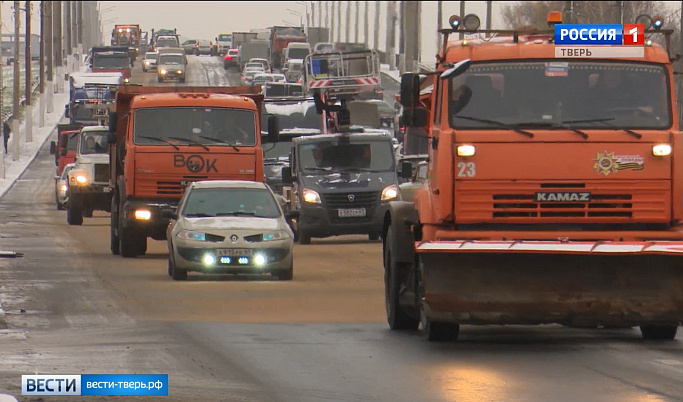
553	125
193	142
220	141
605	121
236	213
319	169
497	123
159	139
199	215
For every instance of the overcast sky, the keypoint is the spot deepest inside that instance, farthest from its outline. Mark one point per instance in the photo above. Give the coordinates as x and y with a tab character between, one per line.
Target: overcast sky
204	20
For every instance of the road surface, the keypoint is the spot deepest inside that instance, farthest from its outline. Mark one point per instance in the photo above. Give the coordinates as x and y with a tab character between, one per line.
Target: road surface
72	307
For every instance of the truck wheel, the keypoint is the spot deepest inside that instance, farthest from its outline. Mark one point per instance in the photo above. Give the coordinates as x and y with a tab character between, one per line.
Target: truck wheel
60	206
159	79
129	242
144	70
87	213
658	332
374	236
396	317
142	246
74	215
435	331
114	222
304	238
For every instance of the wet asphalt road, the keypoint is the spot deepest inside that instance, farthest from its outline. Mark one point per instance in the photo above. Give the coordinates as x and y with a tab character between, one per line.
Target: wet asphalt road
71	307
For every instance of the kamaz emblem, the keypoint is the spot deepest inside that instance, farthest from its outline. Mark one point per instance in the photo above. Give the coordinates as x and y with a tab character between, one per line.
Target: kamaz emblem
562	197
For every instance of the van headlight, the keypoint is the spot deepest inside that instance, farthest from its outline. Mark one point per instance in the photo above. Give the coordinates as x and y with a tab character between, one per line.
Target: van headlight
390	193
311	196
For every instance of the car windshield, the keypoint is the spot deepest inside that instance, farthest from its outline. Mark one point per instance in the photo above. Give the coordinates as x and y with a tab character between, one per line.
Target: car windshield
335	155
171	59
115	61
586	94
188	126
167	42
224	38
298	53
230	201
151	56
264	78
94	142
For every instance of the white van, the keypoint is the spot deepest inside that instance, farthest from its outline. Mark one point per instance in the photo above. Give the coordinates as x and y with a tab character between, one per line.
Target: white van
296	50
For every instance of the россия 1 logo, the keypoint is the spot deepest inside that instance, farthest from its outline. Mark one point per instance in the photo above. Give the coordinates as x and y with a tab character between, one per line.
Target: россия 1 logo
600	34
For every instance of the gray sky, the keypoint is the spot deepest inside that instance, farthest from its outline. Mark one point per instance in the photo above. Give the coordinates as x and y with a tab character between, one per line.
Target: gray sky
205	19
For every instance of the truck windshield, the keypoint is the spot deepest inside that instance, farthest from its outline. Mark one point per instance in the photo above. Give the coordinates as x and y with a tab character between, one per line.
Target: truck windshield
114	61
297	53
224	38
292	115
171	59
205	125
230	201
334	156
94	142
583	94
167	42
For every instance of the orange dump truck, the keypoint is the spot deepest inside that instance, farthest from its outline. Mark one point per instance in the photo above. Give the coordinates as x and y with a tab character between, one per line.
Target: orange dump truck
554	192
163	138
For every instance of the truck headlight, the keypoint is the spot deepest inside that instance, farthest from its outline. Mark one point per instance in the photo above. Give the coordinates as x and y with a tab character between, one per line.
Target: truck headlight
390	193
62	188
163	71
125	80
179	71
191	235
81	179
466	150
143	214
310	196
661	150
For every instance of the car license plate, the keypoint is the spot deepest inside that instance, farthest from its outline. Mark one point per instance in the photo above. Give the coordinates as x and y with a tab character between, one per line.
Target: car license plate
106	189
351	213
233	252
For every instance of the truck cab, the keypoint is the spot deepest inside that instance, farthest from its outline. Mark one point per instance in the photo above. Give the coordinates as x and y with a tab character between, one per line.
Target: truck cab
342	183
111	59
87	93
224	42
89	179
64	149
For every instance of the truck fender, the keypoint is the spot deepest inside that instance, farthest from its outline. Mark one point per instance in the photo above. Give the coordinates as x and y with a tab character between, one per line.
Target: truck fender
401	218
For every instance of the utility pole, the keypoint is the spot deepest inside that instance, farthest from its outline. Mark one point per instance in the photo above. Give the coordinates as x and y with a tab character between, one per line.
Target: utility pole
2	117
356	23
366	25
320	13
68	32
28	109
16	79
327	18
489	6
411	14
391	34
79	38
332	23
347	37
375	37
620	12
462	15
568	12
402	38
41	69
439	18
57	37
49	53
339	39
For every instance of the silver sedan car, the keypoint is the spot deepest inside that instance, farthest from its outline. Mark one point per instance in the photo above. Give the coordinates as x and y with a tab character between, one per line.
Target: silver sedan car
61	187
230	226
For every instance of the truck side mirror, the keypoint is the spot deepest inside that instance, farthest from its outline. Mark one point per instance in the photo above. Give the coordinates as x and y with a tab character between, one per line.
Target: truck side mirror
53	147
62	152
66	110
113	121
273	130
406	170
410	90
292	214
415	116
287	177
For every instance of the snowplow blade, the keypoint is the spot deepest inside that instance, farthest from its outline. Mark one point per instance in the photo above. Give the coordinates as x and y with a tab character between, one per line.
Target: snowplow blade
539	282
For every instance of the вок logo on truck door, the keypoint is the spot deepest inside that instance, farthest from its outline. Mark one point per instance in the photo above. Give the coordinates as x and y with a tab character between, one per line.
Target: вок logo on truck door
607	162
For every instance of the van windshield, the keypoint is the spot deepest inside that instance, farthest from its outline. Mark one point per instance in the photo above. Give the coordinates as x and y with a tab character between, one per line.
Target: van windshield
297	53
171	59
335	156
585	94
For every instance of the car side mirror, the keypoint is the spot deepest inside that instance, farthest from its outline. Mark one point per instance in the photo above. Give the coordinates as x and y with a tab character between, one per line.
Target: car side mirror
56	177
62	152
273	130
53	147
292	214
406	170
287	177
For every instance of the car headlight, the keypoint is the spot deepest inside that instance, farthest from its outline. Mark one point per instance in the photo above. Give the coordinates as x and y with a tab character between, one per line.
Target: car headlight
62	188
162	71
278	235
191	235
390	193
147	62
310	196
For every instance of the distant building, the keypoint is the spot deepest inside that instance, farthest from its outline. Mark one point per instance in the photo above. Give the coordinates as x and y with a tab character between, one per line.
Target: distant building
8	46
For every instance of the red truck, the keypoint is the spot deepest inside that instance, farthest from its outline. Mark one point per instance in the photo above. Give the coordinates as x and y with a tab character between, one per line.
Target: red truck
64	149
111	59
280	37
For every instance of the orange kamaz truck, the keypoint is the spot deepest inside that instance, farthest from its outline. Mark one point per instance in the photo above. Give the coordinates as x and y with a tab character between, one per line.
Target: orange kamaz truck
554	190
163	138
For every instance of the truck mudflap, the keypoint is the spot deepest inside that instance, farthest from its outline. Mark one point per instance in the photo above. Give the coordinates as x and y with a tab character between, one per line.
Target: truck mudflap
541	282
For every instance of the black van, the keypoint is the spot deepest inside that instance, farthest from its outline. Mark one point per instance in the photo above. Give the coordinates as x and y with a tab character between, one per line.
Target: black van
342	183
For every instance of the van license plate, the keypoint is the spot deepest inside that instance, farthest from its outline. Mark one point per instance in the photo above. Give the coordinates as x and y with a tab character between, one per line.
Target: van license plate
351	213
